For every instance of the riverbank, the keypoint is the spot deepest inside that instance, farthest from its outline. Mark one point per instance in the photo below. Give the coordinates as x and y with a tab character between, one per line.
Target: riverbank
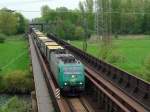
17	103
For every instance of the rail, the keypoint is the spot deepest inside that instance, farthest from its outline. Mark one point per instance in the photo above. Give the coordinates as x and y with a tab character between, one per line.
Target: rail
134	87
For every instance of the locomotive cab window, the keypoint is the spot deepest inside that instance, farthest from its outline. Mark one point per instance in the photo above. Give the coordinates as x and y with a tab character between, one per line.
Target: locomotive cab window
72	70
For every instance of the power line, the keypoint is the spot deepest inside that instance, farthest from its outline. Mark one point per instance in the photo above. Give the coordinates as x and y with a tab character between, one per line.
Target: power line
55	11
31	11
25	2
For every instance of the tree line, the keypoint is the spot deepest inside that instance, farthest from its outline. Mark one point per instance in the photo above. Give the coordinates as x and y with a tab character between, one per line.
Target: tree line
12	22
127	17
131	16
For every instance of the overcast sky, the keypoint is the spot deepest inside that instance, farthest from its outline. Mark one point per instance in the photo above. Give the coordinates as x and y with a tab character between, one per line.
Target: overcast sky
24	6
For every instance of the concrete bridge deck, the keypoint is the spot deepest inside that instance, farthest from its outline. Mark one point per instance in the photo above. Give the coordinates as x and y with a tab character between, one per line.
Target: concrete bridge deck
44	103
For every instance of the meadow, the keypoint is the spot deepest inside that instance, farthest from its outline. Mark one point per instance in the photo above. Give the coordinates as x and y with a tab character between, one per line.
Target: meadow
15	74
133	51
14	55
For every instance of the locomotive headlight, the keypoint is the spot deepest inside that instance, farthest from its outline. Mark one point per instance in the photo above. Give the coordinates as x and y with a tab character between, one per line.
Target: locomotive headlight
73	76
65	83
81	83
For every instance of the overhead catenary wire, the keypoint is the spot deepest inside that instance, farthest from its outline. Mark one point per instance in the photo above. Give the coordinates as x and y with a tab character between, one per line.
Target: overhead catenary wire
78	11
142	11
71	11
24	2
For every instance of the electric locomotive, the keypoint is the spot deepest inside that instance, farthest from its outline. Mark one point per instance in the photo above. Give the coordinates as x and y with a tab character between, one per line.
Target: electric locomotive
68	71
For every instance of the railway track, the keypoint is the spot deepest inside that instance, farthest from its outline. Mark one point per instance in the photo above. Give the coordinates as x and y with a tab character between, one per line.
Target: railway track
80	104
103	87
118	97
114	89
76	105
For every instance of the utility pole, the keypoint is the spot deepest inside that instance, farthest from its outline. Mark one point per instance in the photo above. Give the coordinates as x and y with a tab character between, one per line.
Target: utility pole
99	23
85	32
103	22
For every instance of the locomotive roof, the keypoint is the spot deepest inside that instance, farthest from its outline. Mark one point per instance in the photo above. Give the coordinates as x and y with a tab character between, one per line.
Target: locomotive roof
67	58
54	47
51	43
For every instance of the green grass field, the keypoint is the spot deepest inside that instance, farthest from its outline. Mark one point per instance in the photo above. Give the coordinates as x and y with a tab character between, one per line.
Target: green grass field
134	52
14	55
14	66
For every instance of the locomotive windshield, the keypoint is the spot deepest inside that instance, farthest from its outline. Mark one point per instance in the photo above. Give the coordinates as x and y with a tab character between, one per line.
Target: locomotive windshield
72	70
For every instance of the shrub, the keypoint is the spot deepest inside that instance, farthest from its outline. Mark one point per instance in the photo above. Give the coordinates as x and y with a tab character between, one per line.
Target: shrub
147	69
79	33
146	75
2	38
147	63
1	82
116	35
17	82
115	57
105	50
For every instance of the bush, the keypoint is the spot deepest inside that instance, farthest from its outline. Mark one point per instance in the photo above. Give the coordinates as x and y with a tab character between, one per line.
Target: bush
105	51
115	57
16	105
147	63
1	80
147	69
116	36
79	33
17	82
146	75
2	38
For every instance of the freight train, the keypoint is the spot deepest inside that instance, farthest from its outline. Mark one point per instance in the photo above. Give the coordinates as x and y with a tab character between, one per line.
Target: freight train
68	71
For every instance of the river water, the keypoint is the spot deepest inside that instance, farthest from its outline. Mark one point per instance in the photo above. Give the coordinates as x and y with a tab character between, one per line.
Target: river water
5	97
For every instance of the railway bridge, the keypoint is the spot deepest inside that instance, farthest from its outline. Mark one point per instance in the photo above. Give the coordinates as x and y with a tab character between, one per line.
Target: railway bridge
108	89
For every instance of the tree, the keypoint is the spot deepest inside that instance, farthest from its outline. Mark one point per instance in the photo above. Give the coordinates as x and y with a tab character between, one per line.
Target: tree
84	24
124	16
116	17
69	30
8	22
86	9
45	13
22	23
79	33
89	4
146	21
